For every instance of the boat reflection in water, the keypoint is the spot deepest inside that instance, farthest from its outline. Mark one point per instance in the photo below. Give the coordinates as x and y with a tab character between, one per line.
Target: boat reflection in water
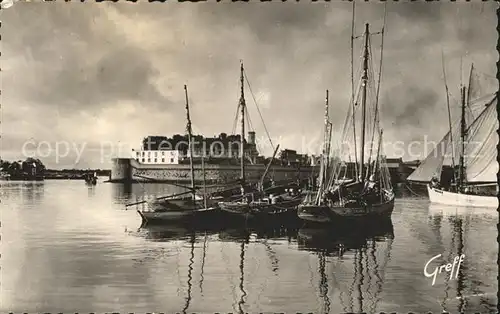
468	290
177	231
196	238
340	237
359	284
462	211
347	263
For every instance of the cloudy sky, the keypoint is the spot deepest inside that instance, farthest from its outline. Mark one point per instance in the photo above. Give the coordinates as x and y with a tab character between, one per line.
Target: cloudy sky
94	74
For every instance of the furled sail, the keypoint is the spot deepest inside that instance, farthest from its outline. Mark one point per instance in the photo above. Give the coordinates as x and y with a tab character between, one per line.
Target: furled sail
433	163
480	150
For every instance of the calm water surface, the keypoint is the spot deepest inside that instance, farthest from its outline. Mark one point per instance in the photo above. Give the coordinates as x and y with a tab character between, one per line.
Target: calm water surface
67	247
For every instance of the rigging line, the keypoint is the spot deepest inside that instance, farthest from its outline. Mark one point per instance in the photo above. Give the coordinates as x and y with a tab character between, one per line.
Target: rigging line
375	113
355	137
354	106
352	50
258	109
411	191
468	100
479	101
472	160
236	118
249	121
481	114
449	115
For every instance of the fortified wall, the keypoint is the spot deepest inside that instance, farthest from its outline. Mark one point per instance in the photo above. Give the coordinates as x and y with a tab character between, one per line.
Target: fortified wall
126	170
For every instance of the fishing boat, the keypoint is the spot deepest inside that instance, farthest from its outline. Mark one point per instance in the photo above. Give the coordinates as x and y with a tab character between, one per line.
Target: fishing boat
90	178
187	205
473	182
370	192
258	204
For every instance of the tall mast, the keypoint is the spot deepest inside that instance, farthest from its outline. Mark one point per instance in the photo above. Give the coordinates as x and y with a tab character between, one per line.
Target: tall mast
204	181
363	102
242	108
376	120
468	100
352	93
323	165
326	146
330	130
463	130
190	143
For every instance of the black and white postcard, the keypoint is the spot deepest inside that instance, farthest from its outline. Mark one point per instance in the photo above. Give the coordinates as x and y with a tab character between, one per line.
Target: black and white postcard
249	156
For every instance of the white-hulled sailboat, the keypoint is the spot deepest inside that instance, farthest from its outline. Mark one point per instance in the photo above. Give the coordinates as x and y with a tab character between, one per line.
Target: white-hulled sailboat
477	154
371	193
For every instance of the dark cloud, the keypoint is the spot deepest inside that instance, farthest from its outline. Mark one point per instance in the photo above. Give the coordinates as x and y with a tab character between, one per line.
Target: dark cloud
419	11
79	65
121	74
268	21
418	103
88	57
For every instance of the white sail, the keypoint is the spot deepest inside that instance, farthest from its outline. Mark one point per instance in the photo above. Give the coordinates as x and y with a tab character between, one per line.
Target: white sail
433	163
480	150
480	86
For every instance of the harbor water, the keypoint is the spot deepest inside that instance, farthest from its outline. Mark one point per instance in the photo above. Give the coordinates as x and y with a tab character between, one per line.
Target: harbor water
68	247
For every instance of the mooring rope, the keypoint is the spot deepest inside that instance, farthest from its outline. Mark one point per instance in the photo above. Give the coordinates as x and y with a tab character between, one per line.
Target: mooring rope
413	192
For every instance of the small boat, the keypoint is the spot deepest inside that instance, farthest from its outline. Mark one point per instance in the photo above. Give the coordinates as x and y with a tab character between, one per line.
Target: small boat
260	204
181	206
474	180
369	194
187	206
190	212
90	178
267	207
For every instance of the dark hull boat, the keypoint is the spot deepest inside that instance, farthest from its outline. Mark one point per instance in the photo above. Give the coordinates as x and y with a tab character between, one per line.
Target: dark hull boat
353	210
270	205
183	207
263	209
195	213
179	208
370	194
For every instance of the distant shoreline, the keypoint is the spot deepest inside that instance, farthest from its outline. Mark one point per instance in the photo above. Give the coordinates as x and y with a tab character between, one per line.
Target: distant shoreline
65	174
73	174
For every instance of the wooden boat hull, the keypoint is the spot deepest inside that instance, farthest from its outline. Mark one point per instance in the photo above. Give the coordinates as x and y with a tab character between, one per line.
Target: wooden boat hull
181	209
326	214
178	216
181	204
260	210
456	199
